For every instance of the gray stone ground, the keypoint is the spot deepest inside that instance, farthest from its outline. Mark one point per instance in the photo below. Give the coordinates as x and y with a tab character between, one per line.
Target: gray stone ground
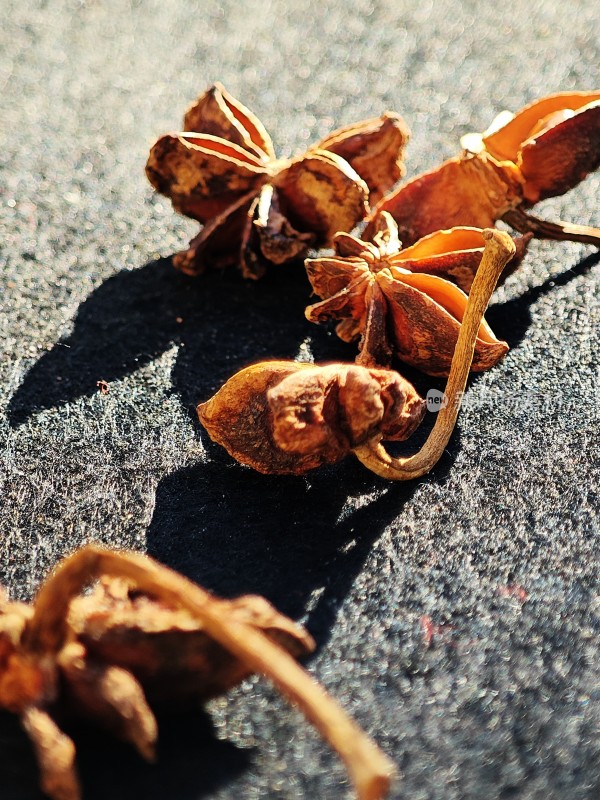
505	702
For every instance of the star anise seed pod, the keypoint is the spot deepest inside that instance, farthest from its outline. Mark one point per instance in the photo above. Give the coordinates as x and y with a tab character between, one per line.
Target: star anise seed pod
285	418
282	417
543	151
146	634
400	302
257	209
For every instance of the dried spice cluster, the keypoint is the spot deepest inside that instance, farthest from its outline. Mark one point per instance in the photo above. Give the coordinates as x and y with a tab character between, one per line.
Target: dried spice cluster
401	290
147	635
414	287
284	417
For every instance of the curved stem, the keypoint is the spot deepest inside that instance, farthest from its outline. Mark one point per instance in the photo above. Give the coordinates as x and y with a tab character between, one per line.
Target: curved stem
499	248
370	770
542	229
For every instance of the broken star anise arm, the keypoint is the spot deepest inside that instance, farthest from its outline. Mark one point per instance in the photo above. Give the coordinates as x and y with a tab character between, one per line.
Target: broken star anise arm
321	193
375	349
470	190
554	141
201	174
499	248
218	113
112	696
370	769
454	255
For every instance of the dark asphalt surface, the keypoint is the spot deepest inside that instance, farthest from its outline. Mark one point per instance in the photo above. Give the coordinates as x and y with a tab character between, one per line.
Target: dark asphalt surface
504	701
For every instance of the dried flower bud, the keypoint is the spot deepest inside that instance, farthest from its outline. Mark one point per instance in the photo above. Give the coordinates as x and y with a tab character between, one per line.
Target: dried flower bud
286	418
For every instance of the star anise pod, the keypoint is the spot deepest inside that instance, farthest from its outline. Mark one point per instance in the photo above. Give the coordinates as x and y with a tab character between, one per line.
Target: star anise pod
285	418
402	302
282	417
542	151
257	209
146	635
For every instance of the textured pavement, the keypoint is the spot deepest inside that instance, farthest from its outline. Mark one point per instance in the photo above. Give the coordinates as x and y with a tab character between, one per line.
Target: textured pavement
498	547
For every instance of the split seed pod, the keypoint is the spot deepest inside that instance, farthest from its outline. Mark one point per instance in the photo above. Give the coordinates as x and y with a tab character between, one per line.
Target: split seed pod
543	151
403	302
286	418
147	633
282	417
258	210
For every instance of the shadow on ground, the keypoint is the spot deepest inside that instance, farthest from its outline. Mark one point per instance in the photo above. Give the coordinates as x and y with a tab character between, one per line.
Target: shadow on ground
298	541
219	321
510	320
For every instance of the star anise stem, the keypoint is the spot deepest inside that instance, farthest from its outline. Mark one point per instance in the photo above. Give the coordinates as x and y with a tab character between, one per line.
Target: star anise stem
523	222
499	248
370	770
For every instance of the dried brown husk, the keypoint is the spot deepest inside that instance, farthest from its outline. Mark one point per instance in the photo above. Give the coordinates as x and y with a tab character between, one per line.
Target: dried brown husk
555	142
400	302
543	151
218	113
282	417
216	170
471	190
374	148
203	175
143	632
454	254
321	193
270	238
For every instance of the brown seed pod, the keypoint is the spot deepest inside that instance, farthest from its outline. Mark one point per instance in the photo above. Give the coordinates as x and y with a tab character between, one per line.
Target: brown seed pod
542	151
286	418
400	302
216	170
146	633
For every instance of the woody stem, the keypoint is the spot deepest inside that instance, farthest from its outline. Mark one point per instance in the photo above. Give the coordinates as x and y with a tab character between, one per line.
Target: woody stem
499	248
523	222
370	770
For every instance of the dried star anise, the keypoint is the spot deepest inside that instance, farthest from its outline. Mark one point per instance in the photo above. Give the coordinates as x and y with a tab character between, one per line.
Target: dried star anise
542	151
400	302
255	208
147	633
286	418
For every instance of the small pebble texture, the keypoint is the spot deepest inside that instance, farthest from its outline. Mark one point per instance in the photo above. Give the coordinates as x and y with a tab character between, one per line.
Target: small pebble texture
456	616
